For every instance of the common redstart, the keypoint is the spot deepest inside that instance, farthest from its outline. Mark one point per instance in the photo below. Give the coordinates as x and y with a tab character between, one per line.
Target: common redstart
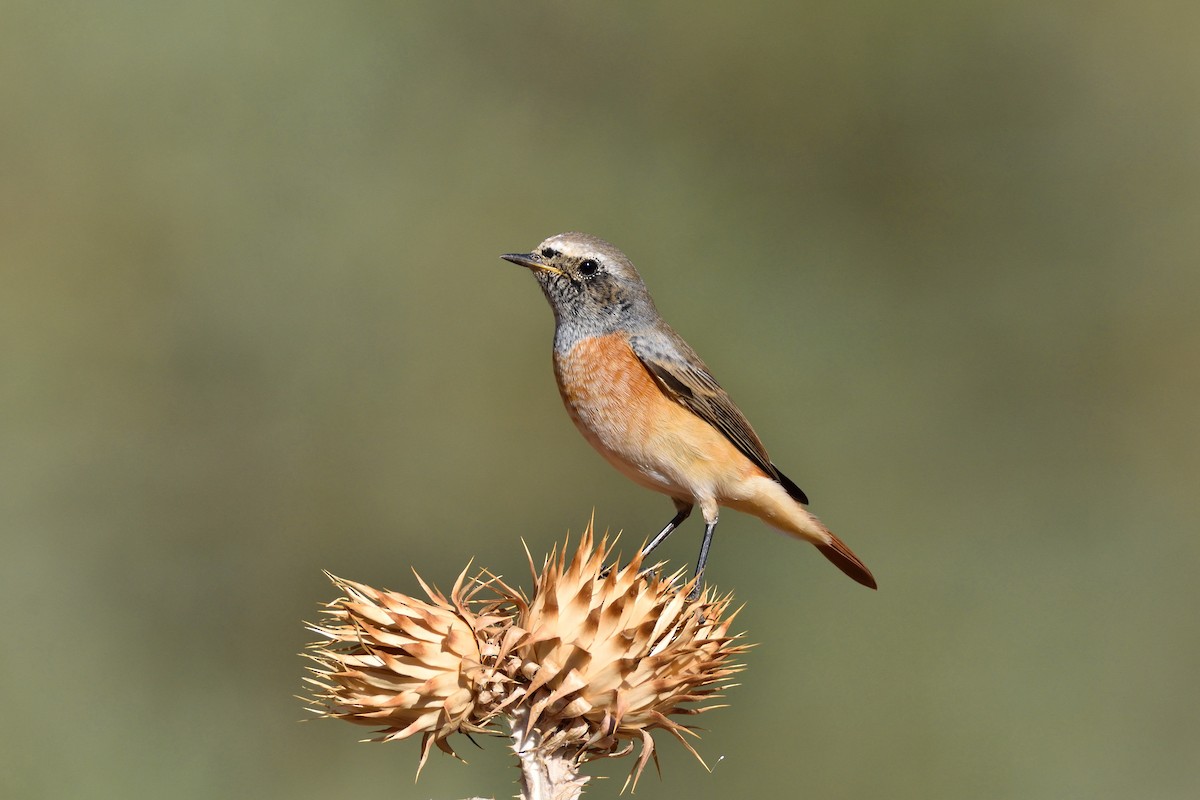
643	398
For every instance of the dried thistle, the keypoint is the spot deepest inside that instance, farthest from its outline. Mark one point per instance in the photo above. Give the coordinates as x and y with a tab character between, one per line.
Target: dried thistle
406	665
590	664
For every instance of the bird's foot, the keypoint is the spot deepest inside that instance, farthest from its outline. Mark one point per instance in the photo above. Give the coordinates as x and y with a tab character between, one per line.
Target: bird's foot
644	574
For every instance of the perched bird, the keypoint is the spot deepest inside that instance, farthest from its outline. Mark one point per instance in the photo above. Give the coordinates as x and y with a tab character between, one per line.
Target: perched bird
643	398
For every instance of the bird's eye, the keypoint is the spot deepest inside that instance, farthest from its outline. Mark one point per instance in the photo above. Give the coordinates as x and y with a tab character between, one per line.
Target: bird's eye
589	266
549	252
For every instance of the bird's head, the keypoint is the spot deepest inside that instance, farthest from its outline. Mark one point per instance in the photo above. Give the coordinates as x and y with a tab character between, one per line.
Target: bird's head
587	281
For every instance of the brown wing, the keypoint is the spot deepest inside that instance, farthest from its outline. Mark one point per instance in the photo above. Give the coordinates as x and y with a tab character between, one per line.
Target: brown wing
684	378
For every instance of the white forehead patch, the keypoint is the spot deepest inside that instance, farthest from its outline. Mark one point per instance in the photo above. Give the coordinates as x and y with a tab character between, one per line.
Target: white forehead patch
568	245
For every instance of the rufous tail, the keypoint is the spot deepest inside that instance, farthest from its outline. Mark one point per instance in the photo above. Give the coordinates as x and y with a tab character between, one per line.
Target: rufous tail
844	559
779	507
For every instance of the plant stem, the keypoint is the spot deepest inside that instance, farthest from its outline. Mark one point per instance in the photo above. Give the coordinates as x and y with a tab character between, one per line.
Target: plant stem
545	774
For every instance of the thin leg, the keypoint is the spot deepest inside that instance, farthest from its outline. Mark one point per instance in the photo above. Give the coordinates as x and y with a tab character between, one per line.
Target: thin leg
684	512
702	559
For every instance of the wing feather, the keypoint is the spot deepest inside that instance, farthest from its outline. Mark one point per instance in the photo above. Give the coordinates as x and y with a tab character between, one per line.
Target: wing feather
683	377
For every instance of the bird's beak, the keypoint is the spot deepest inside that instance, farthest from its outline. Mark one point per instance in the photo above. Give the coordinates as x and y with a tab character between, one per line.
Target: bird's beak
532	261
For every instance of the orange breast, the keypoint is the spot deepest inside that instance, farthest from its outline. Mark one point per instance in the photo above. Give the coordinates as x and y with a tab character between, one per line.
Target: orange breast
623	413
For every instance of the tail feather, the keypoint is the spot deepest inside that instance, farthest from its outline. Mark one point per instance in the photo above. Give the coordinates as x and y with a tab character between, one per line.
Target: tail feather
844	559
777	505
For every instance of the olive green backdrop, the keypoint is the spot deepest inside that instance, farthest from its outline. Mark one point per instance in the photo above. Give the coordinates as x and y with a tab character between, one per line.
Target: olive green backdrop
253	325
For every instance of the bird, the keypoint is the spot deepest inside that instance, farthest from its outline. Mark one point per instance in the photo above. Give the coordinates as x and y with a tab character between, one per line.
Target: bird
645	401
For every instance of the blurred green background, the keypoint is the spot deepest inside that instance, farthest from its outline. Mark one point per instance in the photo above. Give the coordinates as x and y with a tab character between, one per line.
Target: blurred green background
254	325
